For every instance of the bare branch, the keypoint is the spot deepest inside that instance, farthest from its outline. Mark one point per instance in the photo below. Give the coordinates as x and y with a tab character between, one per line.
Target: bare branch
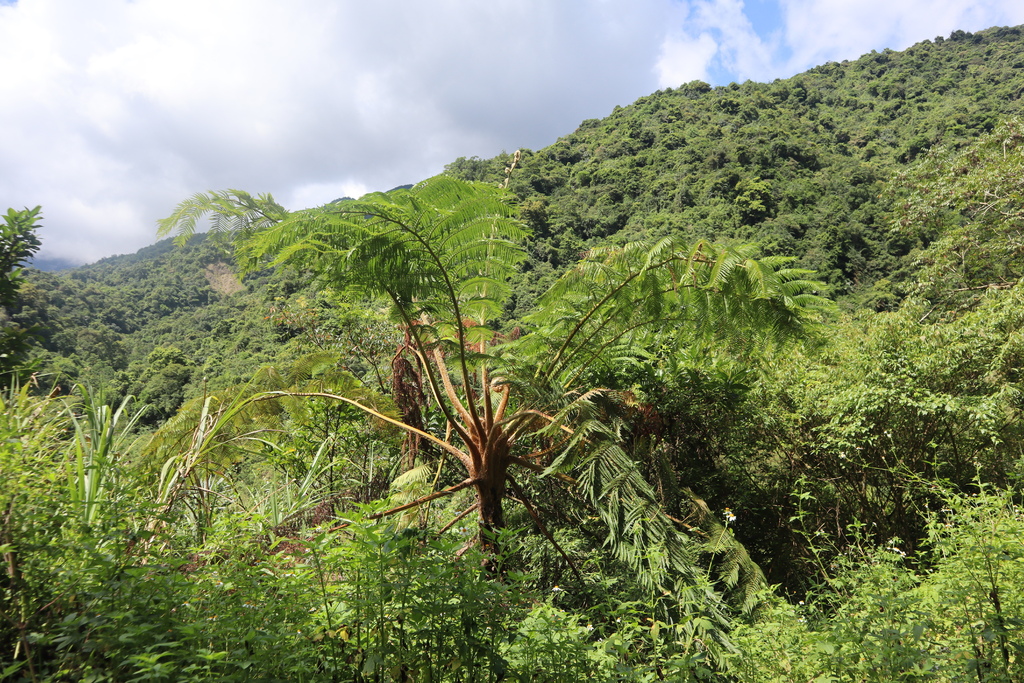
419	501
463	458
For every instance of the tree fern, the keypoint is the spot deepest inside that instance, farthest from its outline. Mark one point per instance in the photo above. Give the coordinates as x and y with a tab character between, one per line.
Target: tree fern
442	253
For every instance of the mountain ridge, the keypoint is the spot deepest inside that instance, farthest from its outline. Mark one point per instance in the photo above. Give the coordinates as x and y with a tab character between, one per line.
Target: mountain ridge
800	165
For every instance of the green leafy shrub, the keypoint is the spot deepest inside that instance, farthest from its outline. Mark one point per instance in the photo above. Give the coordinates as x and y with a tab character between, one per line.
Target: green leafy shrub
955	613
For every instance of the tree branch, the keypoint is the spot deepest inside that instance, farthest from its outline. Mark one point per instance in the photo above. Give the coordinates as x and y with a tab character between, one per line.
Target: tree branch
463	458
461	515
543	529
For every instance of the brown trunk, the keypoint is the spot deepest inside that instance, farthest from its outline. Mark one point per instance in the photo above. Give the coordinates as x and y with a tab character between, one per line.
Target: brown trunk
490	493
492	518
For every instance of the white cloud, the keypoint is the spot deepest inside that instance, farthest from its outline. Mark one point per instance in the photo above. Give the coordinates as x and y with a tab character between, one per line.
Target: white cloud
718	38
833	30
683	59
316	194
115	110
717	41
742	51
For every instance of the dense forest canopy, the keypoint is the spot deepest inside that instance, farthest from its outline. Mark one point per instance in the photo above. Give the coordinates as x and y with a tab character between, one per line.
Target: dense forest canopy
568	414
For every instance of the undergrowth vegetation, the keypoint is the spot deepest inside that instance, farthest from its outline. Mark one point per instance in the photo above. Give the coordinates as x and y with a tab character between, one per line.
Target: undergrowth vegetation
102	593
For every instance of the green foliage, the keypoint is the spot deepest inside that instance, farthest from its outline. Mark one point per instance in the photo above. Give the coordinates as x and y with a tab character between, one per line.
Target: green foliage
688	429
99	324
442	248
958	616
442	252
30	432
231	213
362	602
100	434
18	243
856	424
708	293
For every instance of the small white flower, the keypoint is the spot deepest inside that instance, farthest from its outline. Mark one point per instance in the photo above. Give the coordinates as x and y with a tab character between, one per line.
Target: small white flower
557	589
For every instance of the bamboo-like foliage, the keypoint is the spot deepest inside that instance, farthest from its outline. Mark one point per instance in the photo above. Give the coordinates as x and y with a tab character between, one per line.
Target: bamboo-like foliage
195	447
287	500
100	434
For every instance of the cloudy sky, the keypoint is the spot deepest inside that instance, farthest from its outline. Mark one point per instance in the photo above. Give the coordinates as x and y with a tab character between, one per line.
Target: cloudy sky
113	111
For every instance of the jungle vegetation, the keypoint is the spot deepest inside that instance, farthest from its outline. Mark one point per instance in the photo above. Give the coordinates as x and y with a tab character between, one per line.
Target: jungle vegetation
725	386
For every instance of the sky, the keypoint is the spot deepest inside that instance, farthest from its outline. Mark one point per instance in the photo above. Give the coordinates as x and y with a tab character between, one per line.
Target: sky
114	111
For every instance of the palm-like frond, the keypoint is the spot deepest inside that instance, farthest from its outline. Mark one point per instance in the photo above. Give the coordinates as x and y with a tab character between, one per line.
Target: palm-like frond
702	293
441	251
230	212
610	311
443	247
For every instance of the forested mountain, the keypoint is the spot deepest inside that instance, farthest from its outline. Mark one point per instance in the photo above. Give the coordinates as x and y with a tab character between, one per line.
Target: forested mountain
152	323
800	165
684	462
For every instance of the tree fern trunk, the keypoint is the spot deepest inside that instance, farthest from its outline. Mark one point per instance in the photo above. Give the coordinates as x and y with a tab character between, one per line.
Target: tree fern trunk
490	491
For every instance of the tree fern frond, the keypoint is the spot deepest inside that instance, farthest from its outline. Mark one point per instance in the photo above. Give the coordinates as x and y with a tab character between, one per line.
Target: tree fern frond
233	211
412	478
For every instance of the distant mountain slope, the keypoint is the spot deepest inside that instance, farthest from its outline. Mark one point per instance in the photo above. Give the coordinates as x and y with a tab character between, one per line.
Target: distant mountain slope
52	264
162	324
798	165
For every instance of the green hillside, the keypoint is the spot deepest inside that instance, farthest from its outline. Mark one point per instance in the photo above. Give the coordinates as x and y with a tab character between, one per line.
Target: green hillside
162	324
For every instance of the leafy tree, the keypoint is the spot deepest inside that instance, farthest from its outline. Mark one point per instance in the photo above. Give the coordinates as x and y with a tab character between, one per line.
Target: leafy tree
162	383
966	207
18	242
797	165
